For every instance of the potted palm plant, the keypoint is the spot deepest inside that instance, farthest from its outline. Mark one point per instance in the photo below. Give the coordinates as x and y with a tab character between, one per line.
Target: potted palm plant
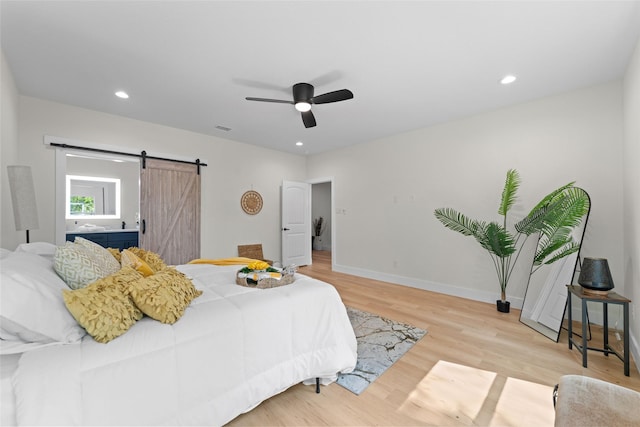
552	220
318	229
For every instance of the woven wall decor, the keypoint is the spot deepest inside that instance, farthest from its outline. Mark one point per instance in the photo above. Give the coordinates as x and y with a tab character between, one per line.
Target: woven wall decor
251	202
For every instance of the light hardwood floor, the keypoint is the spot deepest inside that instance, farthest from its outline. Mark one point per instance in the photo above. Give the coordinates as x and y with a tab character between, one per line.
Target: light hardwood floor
475	366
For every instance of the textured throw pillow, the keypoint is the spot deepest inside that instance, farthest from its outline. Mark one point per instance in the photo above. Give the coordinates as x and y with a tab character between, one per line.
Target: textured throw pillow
104	308
31	306
129	259
100	255
151	258
165	295
115	252
76	265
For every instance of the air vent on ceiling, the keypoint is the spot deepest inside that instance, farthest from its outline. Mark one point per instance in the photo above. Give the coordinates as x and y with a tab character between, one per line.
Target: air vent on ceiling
224	128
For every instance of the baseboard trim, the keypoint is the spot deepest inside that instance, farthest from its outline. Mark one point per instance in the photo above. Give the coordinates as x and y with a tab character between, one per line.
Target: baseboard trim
442	288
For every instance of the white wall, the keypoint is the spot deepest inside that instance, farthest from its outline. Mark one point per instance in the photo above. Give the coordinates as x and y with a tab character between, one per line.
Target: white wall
9	237
224	180
389	189
631	153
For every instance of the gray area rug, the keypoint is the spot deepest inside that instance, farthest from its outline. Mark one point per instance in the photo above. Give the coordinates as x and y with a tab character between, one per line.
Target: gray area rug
381	342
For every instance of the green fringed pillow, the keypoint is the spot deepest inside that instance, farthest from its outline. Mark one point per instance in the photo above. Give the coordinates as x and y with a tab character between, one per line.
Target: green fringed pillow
165	295
104	308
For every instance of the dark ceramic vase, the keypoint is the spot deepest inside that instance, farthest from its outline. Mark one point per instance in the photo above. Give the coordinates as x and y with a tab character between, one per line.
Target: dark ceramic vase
503	306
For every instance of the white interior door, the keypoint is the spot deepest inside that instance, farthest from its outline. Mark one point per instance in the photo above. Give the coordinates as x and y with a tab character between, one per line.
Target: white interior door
296	223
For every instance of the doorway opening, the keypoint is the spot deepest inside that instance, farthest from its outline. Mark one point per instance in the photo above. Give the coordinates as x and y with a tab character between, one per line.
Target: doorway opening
322	219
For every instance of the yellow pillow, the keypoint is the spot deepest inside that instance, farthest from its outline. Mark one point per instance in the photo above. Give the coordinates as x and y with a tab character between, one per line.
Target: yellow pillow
115	252
129	259
151	258
165	295
104	307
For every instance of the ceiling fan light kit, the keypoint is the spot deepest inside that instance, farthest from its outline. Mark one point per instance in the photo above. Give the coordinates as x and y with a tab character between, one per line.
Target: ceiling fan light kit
303	99
303	106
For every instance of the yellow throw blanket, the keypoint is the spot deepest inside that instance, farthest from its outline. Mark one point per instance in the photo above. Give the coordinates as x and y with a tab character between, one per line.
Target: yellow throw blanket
239	261
224	261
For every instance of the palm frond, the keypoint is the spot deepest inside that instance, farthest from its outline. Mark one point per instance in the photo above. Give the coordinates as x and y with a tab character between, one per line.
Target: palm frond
547	246
568	250
565	208
552	196
496	239
533	222
570	209
456	221
511	185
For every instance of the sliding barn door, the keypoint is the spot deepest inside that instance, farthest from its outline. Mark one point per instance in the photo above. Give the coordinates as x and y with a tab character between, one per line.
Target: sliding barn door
170	210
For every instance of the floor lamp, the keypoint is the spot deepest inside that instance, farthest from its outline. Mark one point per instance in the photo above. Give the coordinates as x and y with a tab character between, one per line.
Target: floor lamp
23	198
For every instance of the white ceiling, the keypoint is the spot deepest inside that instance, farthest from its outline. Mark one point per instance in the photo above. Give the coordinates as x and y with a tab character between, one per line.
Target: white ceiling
410	64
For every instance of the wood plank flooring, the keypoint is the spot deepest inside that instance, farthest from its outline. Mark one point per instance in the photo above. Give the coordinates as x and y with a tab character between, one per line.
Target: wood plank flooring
475	366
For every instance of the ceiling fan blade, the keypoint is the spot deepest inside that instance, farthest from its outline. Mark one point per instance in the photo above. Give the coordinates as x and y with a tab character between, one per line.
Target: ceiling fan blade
280	101
308	119
335	96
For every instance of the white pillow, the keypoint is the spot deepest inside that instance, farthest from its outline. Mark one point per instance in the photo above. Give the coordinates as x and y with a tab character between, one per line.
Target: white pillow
32	308
100	255
76	265
4	253
44	249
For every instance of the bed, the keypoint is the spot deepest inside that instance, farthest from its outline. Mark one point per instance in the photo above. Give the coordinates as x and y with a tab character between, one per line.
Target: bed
232	348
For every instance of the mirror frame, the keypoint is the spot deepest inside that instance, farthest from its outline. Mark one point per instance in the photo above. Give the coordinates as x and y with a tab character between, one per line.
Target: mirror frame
545	330
97	180
61	154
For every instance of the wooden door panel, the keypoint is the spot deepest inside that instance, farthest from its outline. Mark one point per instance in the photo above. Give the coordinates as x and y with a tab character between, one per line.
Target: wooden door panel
170	209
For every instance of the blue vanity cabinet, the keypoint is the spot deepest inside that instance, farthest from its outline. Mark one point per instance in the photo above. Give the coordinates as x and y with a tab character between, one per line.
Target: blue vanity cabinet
114	239
123	239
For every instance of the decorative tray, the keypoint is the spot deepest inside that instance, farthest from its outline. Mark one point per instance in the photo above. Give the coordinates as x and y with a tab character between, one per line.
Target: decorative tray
263	280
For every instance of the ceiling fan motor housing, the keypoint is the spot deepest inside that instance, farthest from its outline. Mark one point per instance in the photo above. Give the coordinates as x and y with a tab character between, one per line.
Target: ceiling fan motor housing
302	92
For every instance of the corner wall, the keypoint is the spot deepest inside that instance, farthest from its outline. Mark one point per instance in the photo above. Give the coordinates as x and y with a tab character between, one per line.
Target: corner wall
9	237
386	190
630	275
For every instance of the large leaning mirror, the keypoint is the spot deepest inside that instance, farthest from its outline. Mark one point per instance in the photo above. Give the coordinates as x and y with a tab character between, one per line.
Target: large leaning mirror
546	295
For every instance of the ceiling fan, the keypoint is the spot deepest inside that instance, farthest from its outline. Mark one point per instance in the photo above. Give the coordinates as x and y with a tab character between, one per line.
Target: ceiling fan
303	98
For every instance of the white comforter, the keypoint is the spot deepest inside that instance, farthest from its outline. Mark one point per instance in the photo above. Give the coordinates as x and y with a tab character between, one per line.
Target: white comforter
233	348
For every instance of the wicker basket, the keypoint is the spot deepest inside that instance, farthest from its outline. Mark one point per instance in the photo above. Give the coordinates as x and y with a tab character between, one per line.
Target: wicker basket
265	283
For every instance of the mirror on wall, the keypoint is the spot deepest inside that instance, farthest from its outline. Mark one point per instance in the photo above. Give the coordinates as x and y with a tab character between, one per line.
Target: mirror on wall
92	197
546	295
95	176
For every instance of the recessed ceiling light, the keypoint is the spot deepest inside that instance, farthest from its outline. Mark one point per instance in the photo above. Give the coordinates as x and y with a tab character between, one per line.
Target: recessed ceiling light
299	144
508	79
122	94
